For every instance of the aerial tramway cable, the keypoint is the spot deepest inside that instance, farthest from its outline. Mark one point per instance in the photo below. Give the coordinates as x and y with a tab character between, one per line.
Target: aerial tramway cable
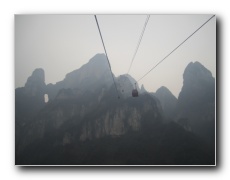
138	44
175	49
107	56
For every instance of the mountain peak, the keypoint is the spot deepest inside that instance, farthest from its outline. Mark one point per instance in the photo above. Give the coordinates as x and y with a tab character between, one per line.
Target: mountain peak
125	85
36	83
143	90
197	79
168	101
196	101
163	89
99	58
90	76
196	71
37	75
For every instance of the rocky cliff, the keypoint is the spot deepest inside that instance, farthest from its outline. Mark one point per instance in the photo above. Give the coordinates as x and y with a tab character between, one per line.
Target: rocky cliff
168	102
85	100
85	123
90	76
29	100
196	101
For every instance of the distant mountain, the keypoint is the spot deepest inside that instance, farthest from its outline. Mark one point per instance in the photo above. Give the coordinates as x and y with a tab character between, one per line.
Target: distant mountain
88	77
143	90
85	123
196	101
32	93
168	102
125	84
29	100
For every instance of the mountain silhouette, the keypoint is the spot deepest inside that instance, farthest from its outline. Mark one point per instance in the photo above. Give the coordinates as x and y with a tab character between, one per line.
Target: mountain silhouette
196	101
168	102
84	123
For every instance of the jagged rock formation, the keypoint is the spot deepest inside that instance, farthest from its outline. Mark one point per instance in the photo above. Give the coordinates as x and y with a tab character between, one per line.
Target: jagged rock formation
125	84
143	90
92	119
85	123
82	93
168	102
35	85
196	101
121	117
89	77
29	100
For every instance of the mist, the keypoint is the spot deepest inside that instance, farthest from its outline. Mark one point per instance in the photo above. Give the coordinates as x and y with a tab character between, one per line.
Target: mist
63	43
77	105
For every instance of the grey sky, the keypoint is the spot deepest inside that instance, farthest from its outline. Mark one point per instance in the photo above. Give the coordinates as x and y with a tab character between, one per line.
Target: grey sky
62	43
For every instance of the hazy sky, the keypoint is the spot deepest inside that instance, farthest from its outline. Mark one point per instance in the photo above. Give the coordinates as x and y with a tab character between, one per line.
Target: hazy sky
62	43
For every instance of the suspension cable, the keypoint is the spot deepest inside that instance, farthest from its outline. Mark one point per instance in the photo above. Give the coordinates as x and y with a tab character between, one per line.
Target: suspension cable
175	49
138	44
107	56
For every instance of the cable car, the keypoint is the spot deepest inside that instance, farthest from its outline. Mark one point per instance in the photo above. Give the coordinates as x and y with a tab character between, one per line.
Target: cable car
135	92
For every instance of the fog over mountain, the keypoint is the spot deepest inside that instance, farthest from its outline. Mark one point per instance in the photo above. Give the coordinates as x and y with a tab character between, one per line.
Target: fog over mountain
62	43
168	101
85	121
196	101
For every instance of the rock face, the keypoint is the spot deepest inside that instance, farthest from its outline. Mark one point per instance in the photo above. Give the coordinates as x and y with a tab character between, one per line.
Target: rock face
90	76
125	84
78	99
196	101
35	85
168	102
84	120
143	90
122	117
85	123
198	86
29	100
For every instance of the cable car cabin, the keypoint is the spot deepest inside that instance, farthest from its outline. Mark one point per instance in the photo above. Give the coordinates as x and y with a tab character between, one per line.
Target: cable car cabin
135	93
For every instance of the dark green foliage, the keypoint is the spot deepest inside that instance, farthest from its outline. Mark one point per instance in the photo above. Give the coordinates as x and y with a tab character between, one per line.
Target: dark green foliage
163	145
